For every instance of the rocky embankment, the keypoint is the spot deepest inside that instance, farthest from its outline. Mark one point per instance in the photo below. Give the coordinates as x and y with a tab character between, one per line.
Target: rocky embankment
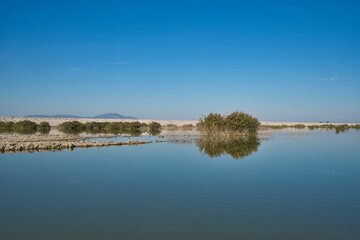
16	143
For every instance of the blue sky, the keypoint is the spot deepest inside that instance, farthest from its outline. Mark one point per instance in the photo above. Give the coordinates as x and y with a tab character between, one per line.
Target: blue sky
277	60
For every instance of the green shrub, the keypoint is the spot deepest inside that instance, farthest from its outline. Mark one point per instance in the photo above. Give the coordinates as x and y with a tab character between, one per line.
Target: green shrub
300	126
341	128
212	122
96	127
44	127
72	127
114	127
25	127
171	127
187	127
6	126
133	128
154	126
241	122
238	122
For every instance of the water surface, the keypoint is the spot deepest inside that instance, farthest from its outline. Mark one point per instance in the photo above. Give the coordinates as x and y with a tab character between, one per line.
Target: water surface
290	185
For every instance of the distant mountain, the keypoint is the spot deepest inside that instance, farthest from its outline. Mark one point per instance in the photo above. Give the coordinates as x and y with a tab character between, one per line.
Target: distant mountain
101	116
65	116
113	116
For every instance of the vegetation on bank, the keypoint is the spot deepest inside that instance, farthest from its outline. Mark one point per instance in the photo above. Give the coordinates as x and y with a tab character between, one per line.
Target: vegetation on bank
72	127
6	126
154	128
236	122
44	127
132	128
24	127
337	128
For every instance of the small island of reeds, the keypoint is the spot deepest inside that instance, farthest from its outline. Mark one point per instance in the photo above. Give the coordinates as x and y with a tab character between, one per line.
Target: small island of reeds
235	123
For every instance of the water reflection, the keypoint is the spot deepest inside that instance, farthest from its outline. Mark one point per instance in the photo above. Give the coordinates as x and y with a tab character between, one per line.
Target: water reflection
237	147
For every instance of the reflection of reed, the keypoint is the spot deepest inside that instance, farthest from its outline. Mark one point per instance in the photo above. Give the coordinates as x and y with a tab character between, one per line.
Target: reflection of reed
180	138
237	147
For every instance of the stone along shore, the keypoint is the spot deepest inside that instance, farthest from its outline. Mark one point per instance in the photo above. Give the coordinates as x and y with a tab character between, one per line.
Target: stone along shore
37	142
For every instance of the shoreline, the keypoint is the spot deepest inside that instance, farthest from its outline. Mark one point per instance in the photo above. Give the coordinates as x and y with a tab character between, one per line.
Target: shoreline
38	142
54	122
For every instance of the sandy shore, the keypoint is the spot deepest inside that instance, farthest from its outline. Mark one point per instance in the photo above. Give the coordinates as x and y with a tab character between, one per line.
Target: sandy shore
57	121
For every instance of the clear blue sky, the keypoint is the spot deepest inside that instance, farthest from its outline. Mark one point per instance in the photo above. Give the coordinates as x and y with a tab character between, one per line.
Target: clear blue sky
277	60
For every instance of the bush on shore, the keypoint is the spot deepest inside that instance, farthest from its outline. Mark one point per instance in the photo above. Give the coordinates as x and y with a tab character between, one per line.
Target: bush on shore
236	122
24	127
133	128
187	127
241	122
6	126
154	126
337	128
72	127
44	127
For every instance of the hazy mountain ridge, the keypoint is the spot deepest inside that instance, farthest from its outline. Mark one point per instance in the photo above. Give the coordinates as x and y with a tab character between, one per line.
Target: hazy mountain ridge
101	116
113	116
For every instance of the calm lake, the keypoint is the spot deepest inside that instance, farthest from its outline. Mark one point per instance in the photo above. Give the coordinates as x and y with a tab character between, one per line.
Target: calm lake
287	185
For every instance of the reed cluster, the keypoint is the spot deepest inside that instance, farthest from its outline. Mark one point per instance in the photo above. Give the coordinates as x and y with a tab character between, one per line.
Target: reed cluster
337	128
235	122
24	127
133	128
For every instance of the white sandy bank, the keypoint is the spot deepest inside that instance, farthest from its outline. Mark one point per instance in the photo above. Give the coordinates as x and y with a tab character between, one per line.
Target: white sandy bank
58	121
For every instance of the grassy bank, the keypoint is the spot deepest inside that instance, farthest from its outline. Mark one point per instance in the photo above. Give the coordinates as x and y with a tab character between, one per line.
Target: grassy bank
24	127
336	128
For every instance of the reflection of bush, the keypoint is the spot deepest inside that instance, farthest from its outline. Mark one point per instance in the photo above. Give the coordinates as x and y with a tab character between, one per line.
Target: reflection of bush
236	146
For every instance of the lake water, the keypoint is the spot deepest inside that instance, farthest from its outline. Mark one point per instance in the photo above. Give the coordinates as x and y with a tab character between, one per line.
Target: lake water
287	185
